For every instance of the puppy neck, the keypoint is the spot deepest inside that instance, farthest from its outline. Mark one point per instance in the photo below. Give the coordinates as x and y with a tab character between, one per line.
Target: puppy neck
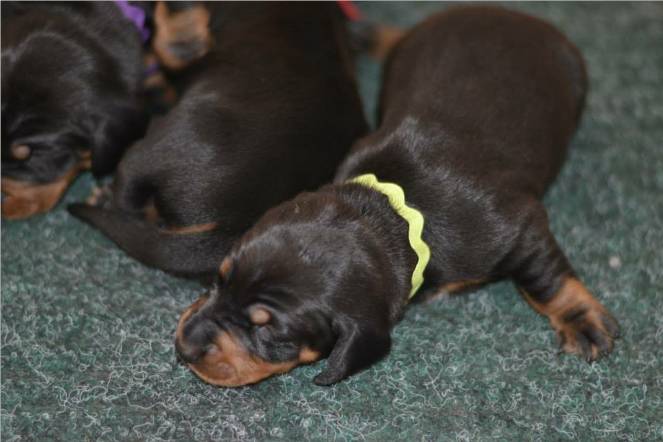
385	230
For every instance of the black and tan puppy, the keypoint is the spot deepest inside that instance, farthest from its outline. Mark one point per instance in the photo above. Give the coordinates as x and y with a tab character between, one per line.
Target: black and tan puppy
71	83
270	111
477	109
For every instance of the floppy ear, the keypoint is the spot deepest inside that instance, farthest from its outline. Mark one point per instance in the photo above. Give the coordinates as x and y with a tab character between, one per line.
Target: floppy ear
358	346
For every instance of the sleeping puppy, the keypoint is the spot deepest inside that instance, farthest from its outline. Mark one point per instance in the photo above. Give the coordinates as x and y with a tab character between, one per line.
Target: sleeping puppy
270	111
71	76
477	107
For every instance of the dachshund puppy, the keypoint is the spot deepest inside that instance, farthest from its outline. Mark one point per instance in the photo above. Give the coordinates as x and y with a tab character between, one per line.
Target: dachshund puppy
71	82
270	111
477	109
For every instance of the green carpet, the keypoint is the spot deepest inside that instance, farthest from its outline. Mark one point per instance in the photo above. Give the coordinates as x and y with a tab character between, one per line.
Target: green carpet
87	348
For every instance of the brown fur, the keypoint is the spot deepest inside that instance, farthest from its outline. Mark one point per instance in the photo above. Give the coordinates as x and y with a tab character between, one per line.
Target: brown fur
228	363
156	84
188	230
183	27
572	310
225	268
474	126
71	80
460	286
24	199
151	213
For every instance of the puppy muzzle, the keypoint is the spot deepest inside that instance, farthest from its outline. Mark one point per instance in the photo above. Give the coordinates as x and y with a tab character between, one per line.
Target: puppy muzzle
218	357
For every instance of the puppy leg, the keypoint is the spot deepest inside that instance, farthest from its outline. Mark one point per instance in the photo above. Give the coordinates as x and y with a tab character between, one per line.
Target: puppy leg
549	285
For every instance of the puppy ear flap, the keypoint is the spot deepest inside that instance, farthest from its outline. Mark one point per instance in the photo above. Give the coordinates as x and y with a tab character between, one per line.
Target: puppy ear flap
122	125
358	346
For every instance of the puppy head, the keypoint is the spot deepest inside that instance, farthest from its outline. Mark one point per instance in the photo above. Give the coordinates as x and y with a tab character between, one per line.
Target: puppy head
182	33
293	290
217	352
64	110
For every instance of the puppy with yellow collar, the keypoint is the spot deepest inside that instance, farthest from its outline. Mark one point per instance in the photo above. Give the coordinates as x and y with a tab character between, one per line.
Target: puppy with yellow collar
477	110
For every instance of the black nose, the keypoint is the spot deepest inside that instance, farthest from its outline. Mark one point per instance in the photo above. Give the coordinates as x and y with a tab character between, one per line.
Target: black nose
197	336
188	50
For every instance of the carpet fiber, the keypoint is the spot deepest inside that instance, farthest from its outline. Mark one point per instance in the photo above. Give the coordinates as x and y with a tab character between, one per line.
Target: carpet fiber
87	348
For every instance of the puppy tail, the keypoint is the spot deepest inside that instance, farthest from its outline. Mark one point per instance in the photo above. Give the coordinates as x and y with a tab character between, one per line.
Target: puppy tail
193	255
375	39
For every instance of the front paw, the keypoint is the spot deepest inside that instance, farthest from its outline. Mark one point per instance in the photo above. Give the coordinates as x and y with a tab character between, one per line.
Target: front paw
587	329
584	326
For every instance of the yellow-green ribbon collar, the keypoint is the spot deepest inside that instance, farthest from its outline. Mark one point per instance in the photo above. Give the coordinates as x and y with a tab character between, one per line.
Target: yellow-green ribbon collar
413	217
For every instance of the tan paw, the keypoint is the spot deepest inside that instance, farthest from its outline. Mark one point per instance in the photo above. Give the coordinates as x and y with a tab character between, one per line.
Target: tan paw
587	330
584	326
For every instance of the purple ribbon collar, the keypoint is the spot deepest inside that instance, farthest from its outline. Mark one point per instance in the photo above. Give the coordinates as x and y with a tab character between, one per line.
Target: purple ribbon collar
136	15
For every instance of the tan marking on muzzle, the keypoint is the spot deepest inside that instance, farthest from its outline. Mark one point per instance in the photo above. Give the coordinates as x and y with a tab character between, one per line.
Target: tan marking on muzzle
182	27
24	199
229	364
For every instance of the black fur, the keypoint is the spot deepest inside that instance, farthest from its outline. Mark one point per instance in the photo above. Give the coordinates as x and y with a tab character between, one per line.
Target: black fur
71	79
270	111
477	109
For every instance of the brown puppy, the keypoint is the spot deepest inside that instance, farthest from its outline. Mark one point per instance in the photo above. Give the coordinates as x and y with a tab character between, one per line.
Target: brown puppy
71	97
269	111
477	109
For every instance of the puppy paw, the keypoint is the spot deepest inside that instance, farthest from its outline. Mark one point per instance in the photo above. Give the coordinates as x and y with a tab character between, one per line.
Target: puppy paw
587	330
583	325
101	196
